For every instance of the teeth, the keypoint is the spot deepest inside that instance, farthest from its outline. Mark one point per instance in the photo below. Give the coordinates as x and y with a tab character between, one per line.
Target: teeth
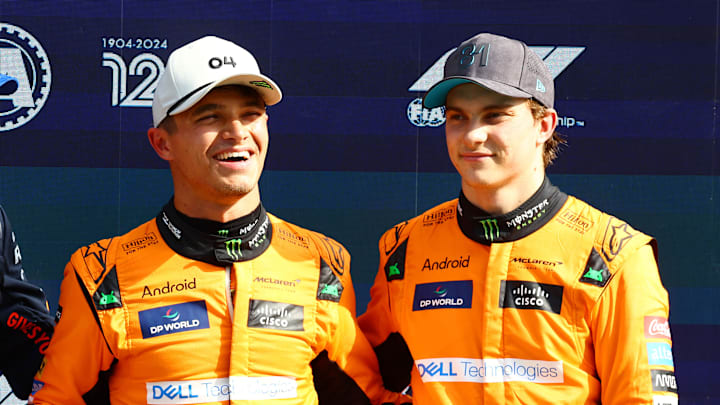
243	155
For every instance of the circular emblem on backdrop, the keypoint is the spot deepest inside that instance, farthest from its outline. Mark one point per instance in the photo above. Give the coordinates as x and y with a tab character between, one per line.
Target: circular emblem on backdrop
24	77
423	117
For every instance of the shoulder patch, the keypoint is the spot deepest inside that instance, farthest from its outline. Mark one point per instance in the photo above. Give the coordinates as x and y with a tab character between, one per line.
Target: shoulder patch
335	252
392	237
95	258
107	295
617	235
596	271
395	264
329	286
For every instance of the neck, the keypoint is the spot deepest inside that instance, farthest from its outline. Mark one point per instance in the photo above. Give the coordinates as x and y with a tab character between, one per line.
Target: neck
500	200
213	242
220	210
486	228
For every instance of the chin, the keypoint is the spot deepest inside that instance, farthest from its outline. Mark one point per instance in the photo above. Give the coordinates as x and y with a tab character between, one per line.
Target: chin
234	189
481	182
238	191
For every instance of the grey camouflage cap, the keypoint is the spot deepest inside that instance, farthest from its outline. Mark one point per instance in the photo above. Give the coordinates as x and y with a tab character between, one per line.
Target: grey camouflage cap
503	65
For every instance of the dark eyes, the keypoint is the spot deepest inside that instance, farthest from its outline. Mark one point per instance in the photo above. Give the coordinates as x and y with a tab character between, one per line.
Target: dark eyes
488	116
207	118
246	117
454	116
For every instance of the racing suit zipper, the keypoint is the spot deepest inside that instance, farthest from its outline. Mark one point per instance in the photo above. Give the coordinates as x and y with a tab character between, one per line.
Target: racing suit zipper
229	292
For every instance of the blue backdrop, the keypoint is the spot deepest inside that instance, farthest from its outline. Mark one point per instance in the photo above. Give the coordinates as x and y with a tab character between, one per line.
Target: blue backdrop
351	152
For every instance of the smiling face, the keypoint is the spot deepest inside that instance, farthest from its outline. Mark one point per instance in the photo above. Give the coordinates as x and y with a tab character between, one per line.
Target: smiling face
494	142
216	150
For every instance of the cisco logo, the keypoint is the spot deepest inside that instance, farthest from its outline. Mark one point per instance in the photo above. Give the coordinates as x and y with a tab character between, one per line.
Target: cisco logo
275	315
531	295
25	77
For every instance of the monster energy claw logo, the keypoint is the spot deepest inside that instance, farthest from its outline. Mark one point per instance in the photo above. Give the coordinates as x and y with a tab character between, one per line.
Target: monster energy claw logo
223	232
491	229
232	247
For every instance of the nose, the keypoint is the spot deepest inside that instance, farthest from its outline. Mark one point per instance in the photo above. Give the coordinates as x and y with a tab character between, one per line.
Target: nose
236	129
476	133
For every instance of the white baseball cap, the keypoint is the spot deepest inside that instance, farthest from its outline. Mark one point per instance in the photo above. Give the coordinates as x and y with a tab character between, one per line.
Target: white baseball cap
198	67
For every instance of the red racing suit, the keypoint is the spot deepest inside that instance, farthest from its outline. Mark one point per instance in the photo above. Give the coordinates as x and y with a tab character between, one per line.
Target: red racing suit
187	311
555	302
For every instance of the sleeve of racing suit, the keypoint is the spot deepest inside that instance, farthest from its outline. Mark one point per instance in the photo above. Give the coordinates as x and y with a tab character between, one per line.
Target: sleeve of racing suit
378	324
631	334
77	353
25	323
346	371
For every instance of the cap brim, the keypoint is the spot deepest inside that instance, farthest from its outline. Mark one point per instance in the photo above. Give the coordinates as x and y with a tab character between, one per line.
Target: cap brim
437	95
268	90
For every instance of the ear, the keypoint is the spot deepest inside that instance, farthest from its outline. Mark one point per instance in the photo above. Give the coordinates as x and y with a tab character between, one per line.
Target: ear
158	138
547	125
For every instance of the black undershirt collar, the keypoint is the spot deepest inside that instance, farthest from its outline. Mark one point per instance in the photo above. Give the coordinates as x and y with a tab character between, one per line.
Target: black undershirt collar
212	242
484	228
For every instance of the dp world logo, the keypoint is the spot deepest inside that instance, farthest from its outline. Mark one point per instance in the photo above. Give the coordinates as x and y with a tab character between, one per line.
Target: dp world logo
171	315
557	59
440	292
171	319
24	77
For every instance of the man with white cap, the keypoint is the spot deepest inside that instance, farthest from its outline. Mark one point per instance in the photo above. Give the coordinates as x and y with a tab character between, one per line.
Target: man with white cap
515	292
214	301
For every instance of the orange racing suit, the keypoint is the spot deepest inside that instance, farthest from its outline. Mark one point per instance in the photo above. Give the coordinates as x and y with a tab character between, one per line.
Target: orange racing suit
185	311
555	302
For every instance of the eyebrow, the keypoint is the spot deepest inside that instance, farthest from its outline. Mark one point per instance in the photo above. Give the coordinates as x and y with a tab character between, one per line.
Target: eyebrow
205	108
213	107
490	107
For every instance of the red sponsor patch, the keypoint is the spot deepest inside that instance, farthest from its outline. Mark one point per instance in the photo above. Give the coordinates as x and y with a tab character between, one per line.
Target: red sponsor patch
657	327
32	331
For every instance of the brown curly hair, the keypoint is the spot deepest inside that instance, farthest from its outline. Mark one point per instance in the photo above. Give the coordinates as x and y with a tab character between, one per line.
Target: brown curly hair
552	145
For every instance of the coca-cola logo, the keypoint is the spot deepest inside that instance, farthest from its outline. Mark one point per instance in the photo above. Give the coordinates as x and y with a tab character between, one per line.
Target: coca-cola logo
657	327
